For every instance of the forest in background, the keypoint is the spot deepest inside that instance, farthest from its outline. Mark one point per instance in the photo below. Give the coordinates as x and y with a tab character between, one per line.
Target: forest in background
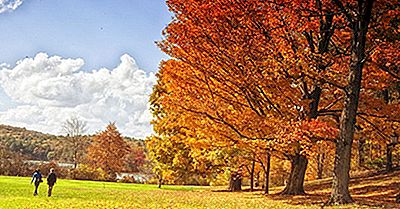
22	151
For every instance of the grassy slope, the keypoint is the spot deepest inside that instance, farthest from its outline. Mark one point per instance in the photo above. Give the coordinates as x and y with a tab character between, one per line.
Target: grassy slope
16	192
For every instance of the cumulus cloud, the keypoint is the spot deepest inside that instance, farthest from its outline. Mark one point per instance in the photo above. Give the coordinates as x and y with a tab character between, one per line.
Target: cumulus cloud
9	5
49	90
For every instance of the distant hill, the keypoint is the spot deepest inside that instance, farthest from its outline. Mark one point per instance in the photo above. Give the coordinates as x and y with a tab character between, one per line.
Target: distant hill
34	145
30	144
6	130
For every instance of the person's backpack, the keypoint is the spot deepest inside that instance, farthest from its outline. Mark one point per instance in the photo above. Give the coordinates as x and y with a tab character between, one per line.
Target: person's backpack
38	177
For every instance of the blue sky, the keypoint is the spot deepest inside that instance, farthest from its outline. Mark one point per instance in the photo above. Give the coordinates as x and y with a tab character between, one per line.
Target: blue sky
98	31
94	60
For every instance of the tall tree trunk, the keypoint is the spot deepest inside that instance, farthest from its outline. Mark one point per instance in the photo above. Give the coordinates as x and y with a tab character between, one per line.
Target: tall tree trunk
359	25
340	186
390	146
253	164
235	182
75	151
257	179
295	184
160	179
266	188
320	166
361	152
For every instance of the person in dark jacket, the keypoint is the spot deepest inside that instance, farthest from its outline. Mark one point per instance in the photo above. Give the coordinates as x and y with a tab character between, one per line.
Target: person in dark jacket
51	180
37	179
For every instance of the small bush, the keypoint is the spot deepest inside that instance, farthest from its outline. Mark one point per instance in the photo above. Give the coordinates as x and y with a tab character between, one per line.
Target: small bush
85	172
130	179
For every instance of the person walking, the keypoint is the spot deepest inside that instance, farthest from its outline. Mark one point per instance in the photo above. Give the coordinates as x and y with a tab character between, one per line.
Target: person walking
37	178
51	180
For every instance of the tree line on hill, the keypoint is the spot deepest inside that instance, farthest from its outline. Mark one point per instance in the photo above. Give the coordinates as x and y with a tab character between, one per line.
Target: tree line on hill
312	85
97	157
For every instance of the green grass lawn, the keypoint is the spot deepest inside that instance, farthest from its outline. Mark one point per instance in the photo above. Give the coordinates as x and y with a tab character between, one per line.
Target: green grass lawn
16	192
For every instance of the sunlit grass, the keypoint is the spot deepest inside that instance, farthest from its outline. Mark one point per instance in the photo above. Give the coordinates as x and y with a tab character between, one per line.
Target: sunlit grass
16	192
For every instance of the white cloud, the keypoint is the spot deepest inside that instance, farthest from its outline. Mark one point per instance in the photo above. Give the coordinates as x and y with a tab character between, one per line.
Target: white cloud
49	90
9	5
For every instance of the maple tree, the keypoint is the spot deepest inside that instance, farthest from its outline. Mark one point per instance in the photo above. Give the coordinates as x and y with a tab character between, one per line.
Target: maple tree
285	72
108	150
255	89
178	137
172	121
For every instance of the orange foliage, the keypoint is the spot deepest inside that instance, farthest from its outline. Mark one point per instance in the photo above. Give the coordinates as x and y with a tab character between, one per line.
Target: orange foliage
108	150
273	72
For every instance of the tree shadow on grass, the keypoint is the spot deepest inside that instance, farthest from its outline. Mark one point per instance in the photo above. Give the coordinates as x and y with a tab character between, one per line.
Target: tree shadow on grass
377	189
371	190
377	195
307	199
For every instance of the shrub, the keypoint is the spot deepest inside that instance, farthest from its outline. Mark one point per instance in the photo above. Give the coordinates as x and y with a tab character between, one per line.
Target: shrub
86	172
130	179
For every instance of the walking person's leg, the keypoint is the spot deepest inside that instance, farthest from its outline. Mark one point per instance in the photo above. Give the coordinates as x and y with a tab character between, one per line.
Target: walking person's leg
50	189
36	188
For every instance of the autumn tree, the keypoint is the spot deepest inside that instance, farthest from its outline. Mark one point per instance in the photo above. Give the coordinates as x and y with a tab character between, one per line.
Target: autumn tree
284	71
362	20
175	162
108	150
179	136
235	75
169	159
